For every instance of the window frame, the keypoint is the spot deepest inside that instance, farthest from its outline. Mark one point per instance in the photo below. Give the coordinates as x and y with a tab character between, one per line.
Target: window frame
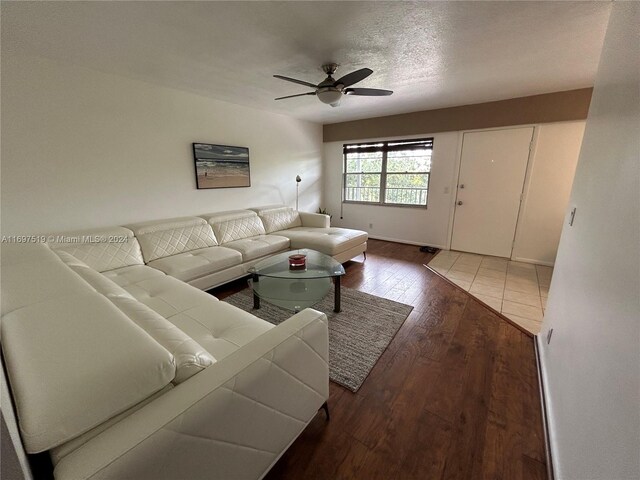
383	147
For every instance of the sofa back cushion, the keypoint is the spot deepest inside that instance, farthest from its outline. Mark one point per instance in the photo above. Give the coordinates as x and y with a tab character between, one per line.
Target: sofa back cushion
101	248
163	238
278	218
189	355
96	280
74	362
235	225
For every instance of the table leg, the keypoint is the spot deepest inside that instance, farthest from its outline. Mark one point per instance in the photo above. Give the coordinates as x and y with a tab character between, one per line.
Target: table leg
256	298
336	295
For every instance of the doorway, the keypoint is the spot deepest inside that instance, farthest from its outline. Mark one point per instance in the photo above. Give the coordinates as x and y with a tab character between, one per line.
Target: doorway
493	166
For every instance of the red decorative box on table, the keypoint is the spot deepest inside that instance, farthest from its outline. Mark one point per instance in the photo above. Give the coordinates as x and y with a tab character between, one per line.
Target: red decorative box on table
297	262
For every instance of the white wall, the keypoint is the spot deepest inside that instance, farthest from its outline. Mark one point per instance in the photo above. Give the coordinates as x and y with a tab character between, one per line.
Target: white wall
81	148
550	174
411	225
592	365
547	188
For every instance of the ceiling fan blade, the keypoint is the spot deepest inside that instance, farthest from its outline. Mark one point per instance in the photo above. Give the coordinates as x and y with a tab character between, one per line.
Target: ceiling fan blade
354	77
299	95
299	82
369	92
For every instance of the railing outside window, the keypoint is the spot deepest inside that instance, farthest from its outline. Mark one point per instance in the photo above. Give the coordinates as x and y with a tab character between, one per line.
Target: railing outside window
388	173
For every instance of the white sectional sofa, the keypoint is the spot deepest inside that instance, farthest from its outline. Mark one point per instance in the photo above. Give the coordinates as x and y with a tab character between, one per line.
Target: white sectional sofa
119	367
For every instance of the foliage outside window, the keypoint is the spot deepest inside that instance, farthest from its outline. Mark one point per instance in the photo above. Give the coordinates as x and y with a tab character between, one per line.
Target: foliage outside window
388	173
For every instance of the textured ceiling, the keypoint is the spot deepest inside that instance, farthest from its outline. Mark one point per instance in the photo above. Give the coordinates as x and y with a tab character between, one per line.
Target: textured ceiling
432	55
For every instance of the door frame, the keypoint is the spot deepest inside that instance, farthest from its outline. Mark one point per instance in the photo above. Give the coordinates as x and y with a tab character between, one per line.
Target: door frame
525	195
525	184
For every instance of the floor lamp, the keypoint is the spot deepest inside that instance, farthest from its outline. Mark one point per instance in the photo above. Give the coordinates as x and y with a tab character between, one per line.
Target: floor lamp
298	180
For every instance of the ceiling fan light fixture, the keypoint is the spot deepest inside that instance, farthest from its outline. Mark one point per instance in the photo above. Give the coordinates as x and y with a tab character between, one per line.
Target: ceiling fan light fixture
330	91
329	96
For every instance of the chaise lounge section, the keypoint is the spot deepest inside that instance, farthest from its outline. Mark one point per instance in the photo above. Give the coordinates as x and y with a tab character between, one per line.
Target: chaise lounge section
310	230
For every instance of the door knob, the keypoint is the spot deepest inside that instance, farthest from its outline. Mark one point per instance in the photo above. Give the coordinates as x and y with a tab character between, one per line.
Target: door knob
460	202
462	185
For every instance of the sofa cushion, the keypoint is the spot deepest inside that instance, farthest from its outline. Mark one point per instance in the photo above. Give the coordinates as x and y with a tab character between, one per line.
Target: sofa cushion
330	241
168	296
220	328
235	225
133	274
61	451
163	238
101	248
279	218
189	356
259	246
71	369
197	263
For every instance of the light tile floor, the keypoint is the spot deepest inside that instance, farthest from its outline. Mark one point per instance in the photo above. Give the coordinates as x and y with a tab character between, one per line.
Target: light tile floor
515	289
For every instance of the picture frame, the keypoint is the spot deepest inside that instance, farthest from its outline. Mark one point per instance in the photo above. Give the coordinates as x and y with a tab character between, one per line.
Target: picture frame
221	166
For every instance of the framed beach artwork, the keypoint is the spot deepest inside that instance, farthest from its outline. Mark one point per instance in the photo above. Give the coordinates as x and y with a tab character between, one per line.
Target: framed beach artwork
221	166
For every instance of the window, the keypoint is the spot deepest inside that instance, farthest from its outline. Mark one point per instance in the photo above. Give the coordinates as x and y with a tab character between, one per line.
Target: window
388	173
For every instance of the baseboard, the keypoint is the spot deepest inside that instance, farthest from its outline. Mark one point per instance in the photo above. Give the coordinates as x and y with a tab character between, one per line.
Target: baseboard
407	242
536	262
543	406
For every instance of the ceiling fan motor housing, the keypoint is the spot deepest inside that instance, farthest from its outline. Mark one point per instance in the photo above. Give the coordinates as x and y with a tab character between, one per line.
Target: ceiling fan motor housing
327	82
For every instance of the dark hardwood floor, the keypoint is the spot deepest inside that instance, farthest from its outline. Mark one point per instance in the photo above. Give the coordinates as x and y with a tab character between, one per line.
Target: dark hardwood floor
454	396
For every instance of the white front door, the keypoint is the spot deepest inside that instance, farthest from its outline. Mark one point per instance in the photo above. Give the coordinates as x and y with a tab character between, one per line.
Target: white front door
492	170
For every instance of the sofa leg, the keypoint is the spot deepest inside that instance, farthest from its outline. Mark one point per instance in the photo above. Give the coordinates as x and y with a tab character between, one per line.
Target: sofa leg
325	407
365	255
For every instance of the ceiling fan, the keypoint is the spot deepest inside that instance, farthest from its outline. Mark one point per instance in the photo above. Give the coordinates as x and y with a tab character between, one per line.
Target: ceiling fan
330	91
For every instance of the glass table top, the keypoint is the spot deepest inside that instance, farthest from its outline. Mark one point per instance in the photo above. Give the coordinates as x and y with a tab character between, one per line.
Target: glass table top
295	289
319	265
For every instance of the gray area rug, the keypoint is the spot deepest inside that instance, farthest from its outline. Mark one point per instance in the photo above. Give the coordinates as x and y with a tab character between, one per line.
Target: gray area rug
358	335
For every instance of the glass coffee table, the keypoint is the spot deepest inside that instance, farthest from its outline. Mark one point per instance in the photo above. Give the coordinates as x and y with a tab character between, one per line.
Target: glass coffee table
276	283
